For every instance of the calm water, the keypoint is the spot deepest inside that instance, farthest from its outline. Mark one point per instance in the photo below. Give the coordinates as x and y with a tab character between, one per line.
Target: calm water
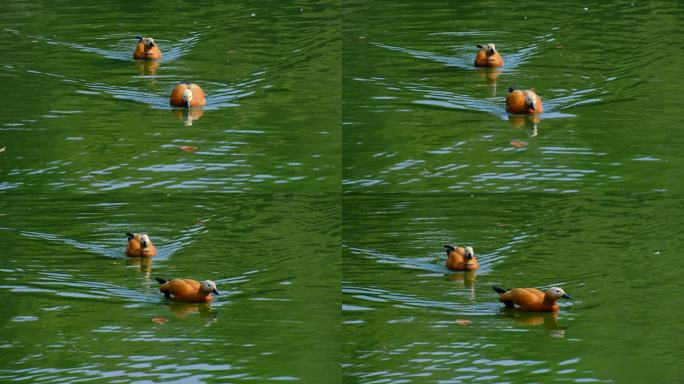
404	312
82	116
588	198
75	308
342	145
419	117
92	151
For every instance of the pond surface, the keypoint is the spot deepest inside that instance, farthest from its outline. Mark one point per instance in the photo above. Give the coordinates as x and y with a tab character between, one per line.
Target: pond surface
343	144
409	319
244	192
82	116
76	308
419	117
587	197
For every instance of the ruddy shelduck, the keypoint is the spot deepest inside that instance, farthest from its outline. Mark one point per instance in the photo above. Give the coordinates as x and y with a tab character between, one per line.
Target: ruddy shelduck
146	49
488	56
531	299
525	102
188	290
460	258
140	245
187	95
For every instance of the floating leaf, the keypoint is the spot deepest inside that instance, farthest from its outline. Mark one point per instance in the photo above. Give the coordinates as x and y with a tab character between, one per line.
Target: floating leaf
188	148
160	320
518	143
463	322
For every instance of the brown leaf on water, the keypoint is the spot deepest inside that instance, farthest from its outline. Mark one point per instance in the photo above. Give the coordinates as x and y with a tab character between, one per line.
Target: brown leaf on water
518	143
463	322
160	320
188	148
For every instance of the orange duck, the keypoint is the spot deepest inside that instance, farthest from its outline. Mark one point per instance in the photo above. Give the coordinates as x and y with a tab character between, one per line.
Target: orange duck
146	49
531	299
525	102
140	245
461	259
188	290
187	95
488	56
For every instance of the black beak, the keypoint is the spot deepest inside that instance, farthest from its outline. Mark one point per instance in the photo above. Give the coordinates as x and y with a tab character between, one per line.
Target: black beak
566	296
491	51
215	292
151	44
143	243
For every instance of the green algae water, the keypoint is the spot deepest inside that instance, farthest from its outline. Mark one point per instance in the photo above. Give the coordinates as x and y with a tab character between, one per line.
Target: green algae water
343	144
586	197
244	192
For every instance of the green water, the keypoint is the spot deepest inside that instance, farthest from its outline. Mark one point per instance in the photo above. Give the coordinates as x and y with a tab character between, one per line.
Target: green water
93	151
343	144
588	198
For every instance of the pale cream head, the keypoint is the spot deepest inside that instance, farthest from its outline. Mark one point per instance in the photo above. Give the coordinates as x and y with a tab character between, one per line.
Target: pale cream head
469	252
490	48
530	100
148	41
187	96
556	293
209	286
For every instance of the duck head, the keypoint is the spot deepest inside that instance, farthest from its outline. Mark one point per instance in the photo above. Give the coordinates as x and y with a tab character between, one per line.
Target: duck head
208	287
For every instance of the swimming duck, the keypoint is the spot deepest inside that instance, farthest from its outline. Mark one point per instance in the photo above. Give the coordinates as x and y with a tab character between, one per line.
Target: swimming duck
146	49
527	101
461	259
140	245
488	56
187	95
531	299
188	290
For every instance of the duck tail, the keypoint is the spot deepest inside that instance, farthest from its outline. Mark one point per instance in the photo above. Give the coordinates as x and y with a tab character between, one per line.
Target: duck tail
130	235
499	290
511	89
449	248
160	281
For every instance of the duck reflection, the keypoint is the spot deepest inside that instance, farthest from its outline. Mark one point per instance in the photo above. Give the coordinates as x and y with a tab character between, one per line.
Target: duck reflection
491	75
467	277
147	67
548	319
145	264
189	115
528	122
183	310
